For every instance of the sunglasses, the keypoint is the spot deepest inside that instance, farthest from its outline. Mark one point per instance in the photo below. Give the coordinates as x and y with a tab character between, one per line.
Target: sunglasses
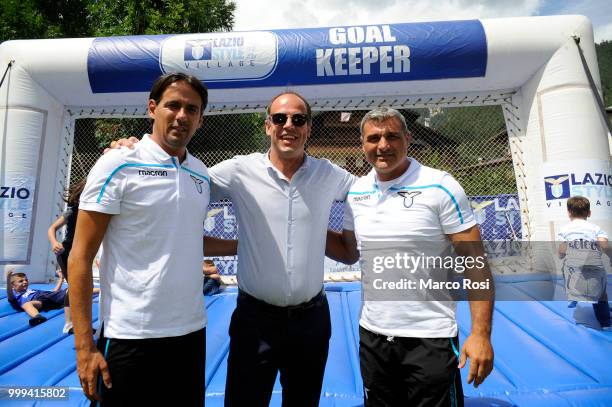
297	119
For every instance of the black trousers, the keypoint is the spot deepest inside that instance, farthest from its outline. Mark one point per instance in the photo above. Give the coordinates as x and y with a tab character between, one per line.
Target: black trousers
62	260
154	372
602	312
409	371
265	339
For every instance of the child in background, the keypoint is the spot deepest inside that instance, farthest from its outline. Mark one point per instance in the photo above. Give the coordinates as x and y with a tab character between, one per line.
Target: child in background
32	301
69	219
582	244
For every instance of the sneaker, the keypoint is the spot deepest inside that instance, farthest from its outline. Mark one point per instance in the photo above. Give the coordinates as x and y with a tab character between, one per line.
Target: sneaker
37	320
67	328
572	304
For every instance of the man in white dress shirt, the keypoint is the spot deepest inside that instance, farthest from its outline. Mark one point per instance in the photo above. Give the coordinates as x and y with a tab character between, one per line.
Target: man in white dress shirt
282	200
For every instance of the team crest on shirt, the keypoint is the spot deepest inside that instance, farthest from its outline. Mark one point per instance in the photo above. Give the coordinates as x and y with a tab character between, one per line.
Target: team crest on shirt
198	183
409	197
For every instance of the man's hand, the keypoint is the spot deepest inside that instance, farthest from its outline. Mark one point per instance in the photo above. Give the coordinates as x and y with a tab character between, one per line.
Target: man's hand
342	247
122	142
478	348
90	363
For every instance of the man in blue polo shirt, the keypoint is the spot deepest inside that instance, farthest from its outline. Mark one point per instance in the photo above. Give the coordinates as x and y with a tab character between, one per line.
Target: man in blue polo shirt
147	206
408	349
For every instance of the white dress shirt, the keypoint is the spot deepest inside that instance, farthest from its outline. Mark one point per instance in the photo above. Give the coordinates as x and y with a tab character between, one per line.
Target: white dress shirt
282	224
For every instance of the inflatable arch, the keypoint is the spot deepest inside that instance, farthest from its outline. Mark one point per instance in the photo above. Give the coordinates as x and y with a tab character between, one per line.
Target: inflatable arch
530	66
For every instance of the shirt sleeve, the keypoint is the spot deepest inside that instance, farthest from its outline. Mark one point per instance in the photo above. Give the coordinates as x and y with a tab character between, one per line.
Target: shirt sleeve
601	233
348	222
26	297
455	212
105	184
345	182
221	179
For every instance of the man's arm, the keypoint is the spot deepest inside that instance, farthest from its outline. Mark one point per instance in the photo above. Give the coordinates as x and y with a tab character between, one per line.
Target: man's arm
56	247
220	247
342	247
122	142
90	230
220	174
562	250
477	346
605	247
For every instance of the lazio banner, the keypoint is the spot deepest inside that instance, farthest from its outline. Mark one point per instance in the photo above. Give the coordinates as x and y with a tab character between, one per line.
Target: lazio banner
315	56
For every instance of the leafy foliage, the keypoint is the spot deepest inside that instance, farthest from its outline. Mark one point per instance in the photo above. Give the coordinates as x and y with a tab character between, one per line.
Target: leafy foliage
84	18
604	58
160	16
26	19
23	19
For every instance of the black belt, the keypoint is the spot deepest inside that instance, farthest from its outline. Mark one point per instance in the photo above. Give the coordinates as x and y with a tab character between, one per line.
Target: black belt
289	311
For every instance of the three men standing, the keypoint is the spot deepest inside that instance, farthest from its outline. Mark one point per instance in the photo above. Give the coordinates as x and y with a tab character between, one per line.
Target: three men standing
282	201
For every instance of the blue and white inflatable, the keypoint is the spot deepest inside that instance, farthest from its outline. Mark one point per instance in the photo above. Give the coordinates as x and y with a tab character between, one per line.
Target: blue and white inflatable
530	66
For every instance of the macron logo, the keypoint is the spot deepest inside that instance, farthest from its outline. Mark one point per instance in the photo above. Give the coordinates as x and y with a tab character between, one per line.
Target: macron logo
153	173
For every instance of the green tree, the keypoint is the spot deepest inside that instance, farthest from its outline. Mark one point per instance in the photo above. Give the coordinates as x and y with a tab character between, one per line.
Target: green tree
26	19
20	19
604	58
133	17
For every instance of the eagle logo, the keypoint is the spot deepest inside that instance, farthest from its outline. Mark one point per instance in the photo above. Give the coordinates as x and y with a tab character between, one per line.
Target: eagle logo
198	183
408	197
479	213
556	187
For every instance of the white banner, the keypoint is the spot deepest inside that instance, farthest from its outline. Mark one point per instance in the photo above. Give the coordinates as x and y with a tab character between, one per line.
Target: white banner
589	178
16	202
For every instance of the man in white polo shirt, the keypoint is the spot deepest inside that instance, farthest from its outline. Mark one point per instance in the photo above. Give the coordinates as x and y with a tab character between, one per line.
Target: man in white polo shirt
147	206
408	349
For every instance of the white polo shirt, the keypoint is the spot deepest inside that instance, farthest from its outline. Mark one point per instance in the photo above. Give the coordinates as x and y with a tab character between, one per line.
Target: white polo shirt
282	224
151	265
422	205
582	248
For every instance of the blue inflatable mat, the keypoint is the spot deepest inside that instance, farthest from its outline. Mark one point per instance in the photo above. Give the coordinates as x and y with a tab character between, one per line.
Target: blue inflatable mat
542	357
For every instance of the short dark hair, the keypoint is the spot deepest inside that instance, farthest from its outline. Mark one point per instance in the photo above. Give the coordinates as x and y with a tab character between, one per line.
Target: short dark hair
579	206
291	92
382	113
162	83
